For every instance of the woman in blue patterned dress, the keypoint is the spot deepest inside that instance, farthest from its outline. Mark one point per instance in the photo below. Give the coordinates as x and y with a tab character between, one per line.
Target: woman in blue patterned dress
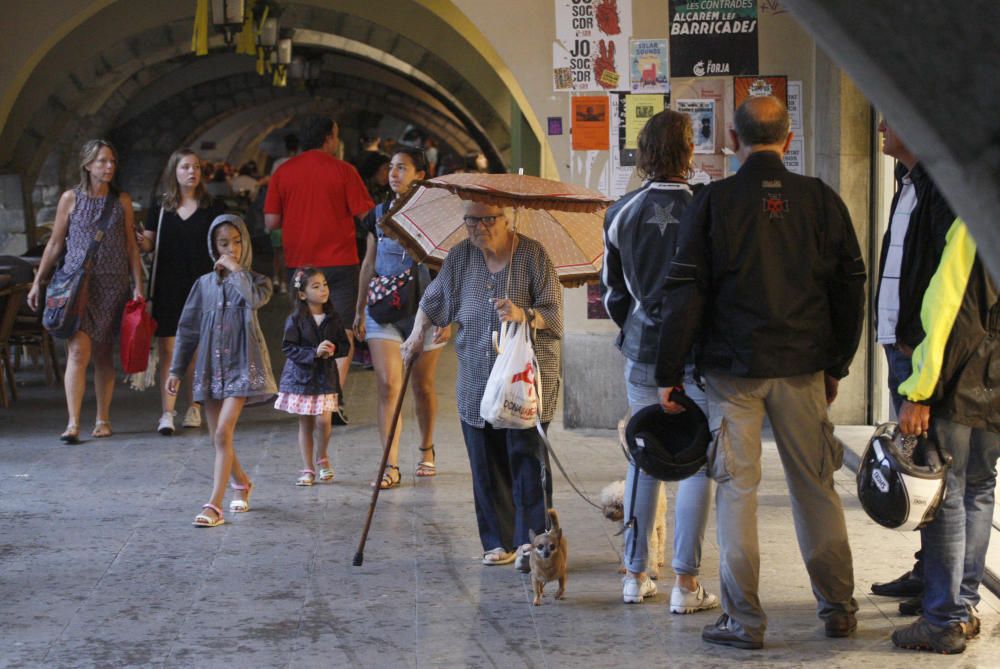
78	218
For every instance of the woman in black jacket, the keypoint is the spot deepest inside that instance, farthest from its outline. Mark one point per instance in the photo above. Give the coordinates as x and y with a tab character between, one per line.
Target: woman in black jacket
310	384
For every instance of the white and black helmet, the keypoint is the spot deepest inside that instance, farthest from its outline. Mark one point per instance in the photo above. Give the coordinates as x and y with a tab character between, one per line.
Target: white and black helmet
901	480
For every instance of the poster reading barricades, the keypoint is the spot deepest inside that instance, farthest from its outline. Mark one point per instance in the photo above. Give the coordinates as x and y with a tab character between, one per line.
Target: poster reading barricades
592	44
748	87
702	113
712	38
650	71
591	123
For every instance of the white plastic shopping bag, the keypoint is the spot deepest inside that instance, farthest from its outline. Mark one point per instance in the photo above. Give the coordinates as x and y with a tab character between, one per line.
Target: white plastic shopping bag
511	399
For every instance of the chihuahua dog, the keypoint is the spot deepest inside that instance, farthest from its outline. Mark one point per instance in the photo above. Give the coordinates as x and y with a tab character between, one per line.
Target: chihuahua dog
548	558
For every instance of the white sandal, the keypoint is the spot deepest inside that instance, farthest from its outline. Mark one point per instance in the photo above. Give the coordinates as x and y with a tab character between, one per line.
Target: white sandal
498	556
326	472
307	478
241	505
203	520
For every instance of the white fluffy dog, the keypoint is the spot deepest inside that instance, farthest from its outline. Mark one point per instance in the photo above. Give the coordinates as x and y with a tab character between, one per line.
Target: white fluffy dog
613	506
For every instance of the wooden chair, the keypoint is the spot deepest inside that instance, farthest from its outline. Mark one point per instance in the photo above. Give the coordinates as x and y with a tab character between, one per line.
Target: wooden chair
11	298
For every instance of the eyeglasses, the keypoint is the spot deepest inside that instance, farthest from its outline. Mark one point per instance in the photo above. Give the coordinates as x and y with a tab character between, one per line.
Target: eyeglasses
474	221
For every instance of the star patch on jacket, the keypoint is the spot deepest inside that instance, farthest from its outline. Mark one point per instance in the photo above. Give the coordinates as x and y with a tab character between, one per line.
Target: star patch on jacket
775	206
663	217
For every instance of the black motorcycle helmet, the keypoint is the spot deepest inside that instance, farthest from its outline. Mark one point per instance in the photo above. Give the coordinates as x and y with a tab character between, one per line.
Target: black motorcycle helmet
669	447
901	480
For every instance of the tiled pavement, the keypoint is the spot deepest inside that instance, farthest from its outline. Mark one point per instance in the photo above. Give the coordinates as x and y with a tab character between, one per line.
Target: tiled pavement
100	566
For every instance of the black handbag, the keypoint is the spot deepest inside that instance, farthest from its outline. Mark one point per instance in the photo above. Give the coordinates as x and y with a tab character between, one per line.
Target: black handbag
66	294
392	299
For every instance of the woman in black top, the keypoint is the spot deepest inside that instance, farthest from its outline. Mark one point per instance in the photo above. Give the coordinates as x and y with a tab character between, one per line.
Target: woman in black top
185	212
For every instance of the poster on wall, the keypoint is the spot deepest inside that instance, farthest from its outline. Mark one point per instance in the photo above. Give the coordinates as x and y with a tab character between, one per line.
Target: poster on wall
622	160
717	89
795	159
650	71
592	44
595	305
591	122
702	113
795	106
708	168
712	38
748	87
638	110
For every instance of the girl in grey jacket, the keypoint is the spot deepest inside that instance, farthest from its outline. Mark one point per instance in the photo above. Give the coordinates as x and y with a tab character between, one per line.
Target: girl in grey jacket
219	328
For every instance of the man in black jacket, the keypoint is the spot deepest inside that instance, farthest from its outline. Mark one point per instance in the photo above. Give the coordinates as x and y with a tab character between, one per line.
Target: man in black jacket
919	219
768	281
952	394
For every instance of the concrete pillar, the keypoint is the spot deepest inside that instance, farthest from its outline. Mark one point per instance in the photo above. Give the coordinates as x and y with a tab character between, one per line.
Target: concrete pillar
842	157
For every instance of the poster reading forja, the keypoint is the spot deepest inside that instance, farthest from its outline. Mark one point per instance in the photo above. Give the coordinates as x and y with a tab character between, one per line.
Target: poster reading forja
592	44
711	38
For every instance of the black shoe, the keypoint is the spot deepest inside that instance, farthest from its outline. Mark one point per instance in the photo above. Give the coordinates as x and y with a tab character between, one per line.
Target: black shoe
921	635
720	633
339	417
904	586
971	628
912	607
840	624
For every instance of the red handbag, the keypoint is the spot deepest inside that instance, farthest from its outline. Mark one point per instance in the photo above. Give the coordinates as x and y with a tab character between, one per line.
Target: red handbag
137	332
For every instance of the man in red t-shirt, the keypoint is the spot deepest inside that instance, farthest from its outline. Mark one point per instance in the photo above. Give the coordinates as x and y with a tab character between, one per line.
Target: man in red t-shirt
314	199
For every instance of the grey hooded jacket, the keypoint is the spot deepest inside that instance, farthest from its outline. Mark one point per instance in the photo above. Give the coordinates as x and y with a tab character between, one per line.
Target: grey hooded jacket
219	330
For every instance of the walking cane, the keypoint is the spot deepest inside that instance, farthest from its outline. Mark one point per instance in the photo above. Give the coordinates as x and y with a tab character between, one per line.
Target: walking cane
359	557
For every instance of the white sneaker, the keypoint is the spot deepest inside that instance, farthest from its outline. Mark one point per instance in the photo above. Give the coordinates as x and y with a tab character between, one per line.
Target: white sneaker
683	600
166	424
193	416
633	592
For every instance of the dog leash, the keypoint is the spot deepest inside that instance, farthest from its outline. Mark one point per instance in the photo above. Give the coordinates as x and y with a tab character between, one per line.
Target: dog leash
555	458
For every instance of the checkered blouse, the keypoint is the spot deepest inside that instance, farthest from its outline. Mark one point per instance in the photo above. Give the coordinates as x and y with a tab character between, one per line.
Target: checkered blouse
462	292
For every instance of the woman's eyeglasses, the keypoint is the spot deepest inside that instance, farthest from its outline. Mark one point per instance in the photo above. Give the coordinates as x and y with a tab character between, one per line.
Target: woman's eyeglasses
474	221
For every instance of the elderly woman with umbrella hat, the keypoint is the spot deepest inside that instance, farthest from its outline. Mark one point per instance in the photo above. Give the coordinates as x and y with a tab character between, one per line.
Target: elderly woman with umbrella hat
494	273
470	290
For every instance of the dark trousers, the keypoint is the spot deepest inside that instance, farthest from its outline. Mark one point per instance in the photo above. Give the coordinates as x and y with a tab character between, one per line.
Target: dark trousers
507	484
900	367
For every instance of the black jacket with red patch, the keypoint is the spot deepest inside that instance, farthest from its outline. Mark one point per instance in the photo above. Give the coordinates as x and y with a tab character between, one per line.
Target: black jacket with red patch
768	279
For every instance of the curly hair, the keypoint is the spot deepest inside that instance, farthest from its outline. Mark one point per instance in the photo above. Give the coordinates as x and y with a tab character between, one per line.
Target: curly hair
665	146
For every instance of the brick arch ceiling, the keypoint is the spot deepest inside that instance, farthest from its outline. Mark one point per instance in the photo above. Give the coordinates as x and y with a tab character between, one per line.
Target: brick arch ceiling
105	62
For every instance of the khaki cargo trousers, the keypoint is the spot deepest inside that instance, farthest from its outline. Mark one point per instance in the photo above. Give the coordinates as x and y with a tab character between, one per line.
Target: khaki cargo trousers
796	407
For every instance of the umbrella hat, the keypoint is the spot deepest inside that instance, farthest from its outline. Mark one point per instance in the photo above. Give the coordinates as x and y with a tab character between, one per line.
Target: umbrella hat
568	220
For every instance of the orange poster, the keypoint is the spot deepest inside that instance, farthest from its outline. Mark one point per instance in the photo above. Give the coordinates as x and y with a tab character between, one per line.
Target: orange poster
591	123
747	87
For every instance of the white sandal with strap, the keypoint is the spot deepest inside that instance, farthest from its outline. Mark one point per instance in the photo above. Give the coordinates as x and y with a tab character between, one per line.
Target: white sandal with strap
307	478
241	505
203	520
98	424
326	472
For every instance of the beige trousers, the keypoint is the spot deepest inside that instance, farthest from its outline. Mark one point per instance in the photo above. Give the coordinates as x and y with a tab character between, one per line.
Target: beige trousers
796	407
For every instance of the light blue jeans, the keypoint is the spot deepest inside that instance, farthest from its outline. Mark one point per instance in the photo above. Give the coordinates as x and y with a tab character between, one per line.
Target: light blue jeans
694	494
